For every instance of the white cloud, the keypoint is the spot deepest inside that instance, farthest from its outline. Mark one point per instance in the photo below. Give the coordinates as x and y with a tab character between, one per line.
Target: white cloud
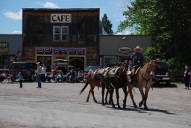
125	32
14	15
16	32
49	5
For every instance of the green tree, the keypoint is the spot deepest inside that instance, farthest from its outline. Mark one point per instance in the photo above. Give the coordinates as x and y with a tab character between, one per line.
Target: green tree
167	21
139	16
106	24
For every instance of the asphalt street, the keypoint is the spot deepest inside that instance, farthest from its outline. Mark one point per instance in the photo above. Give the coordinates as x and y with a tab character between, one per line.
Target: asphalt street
59	105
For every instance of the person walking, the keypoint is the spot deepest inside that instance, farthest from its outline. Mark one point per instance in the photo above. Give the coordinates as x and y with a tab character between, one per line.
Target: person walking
43	73
20	79
38	74
186	77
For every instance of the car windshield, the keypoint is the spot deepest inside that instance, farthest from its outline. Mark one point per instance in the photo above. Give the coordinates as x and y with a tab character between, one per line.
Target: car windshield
161	68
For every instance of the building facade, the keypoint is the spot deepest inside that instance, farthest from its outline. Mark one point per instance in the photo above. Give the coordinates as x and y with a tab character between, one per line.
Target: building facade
68	34
110	45
10	49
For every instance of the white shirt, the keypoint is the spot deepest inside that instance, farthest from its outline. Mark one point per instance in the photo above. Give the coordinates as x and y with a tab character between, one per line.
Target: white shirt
43	70
39	70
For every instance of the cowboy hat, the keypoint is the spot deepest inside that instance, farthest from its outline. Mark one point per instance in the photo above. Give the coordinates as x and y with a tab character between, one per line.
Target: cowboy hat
137	49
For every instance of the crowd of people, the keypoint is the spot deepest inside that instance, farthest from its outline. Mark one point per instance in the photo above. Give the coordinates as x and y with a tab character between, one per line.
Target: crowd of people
41	75
57	75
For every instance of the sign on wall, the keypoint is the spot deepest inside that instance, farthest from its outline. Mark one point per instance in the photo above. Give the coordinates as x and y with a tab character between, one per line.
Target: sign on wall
4	47
61	18
61	51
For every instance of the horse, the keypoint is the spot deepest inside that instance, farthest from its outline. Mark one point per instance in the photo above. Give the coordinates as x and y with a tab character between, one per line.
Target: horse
144	80
94	78
116	78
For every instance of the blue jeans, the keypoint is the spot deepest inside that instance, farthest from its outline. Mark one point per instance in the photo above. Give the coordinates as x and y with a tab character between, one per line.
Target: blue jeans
39	80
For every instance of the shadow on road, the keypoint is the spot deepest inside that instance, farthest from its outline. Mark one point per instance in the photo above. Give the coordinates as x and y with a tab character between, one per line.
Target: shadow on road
164	86
142	110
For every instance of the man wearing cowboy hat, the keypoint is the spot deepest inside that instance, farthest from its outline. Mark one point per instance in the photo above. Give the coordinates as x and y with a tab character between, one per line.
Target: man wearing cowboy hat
137	57
136	60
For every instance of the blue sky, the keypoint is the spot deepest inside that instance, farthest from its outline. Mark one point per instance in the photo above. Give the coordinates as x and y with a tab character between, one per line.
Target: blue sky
11	14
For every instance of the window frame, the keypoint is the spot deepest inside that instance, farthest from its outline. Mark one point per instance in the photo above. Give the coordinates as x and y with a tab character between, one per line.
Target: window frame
61	33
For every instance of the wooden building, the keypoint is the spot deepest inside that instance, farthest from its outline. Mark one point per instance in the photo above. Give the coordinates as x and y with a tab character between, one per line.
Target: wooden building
70	34
10	49
112	55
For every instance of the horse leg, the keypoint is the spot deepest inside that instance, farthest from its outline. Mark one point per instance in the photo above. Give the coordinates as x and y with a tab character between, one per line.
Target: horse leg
117	96
103	92
91	91
125	97
107	92
93	95
146	96
143	95
88	97
111	97
130	88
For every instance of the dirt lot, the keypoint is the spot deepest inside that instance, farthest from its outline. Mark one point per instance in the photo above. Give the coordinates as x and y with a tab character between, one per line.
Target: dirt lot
59	105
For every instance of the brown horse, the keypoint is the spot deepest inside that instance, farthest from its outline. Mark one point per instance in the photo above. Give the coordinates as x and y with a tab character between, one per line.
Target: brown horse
144	80
94	80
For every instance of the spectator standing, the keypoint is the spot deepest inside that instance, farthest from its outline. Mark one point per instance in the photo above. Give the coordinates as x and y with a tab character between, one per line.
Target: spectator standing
38	74
80	76
186	76
20	79
43	73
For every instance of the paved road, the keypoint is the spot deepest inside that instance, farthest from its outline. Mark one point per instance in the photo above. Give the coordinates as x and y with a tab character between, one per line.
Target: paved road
59	105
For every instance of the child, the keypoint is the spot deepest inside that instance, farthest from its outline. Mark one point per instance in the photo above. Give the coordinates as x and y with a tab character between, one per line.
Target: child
20	79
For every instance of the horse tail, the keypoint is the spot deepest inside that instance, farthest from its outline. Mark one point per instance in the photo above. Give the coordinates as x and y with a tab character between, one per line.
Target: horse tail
84	87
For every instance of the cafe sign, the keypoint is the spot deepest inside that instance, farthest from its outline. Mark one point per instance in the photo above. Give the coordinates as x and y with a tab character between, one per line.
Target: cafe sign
60	18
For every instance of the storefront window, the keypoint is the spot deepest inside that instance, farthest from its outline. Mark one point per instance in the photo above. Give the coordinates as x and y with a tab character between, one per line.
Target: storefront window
110	60
60	33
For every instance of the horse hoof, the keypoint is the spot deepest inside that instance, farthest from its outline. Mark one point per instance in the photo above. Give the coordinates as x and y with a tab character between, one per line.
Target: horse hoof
119	107
146	108
140	104
113	106
124	106
135	106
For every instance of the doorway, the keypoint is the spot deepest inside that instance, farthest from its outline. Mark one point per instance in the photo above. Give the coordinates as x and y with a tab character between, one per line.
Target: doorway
77	62
47	60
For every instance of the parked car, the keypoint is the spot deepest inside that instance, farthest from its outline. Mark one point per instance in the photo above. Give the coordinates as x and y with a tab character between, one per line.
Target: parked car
162	73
